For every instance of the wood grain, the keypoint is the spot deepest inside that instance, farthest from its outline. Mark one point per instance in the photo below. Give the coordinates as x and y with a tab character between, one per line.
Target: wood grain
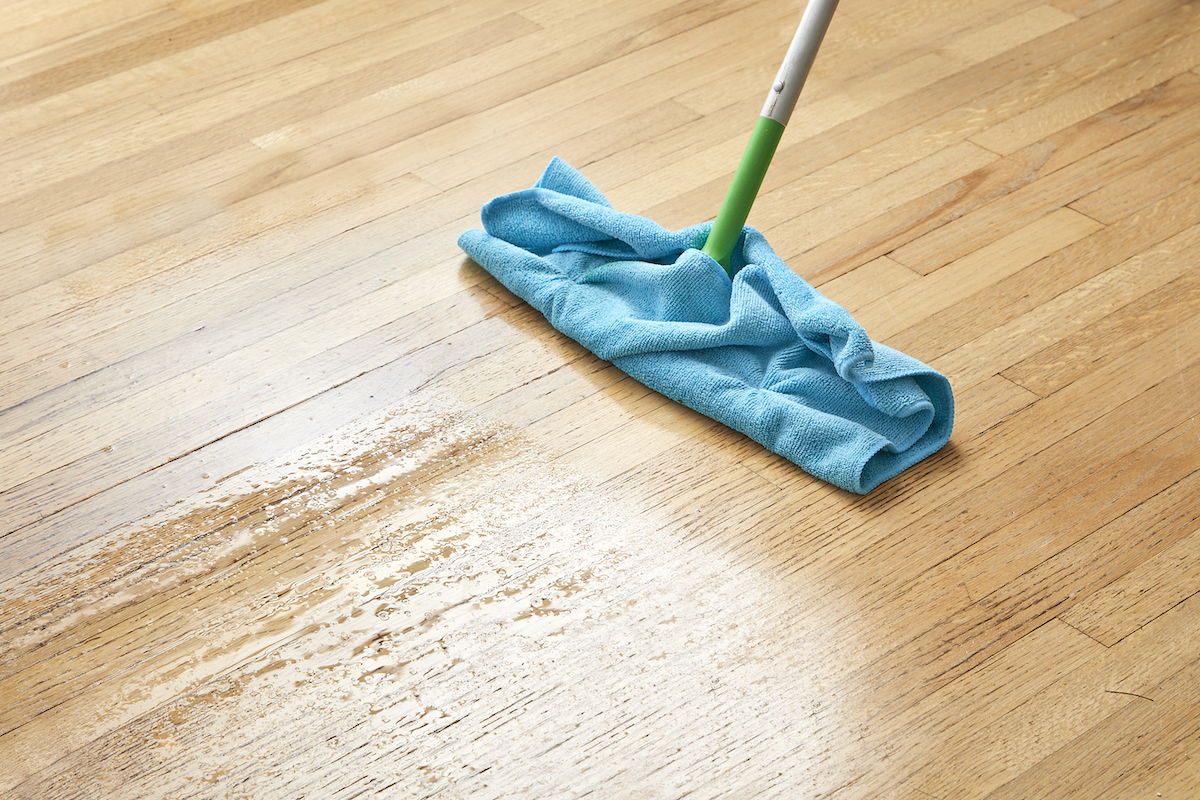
298	501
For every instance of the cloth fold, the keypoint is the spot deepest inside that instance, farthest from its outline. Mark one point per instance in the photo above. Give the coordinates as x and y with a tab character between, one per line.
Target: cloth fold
764	353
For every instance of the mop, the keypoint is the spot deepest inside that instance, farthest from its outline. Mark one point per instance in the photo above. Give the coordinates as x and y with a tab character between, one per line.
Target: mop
710	317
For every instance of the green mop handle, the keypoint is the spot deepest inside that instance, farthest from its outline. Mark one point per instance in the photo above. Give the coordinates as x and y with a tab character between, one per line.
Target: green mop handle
775	115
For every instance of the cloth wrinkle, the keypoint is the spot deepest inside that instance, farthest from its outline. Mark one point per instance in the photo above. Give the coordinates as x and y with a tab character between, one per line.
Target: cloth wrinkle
764	352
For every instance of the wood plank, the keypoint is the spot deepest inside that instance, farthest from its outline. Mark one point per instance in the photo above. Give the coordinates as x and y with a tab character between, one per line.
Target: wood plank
238	124
872	280
915	218
536	63
127	617
64	105
1121	197
213	64
291	79
1153	588
883	233
34	75
56	364
1062	187
94	123
235	179
52	434
901	665
1047	279
864	45
1165	48
1063	713
1039	594
138	47
1169	770
349	196
1081	8
331	36
346	184
244	408
918	301
663	48
948	719
202	8
1088	324
1036	543
1083	462
1079	61
835	216
112	331
35	26
1061	363
814	118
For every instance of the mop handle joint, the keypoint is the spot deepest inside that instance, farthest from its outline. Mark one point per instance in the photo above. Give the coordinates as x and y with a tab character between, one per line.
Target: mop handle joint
781	101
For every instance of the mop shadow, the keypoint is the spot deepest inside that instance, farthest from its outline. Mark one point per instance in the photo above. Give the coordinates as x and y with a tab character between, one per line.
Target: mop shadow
915	483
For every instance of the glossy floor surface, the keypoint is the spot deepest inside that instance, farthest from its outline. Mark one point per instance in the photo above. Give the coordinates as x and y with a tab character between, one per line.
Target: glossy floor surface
298	502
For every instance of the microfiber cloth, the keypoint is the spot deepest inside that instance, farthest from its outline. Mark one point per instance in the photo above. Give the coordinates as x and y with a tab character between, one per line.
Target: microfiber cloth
764	353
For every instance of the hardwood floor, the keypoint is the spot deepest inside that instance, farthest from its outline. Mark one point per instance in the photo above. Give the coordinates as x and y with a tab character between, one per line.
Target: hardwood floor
298	501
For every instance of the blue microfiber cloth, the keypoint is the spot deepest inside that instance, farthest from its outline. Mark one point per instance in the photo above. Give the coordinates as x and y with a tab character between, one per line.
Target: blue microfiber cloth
765	353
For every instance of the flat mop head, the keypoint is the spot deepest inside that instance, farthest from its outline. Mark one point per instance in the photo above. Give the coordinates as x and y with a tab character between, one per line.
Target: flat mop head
762	352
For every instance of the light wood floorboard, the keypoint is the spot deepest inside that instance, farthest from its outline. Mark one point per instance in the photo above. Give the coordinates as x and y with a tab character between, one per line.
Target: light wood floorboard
298	501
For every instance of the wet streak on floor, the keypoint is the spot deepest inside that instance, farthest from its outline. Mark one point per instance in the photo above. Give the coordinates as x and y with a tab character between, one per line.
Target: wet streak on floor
422	597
